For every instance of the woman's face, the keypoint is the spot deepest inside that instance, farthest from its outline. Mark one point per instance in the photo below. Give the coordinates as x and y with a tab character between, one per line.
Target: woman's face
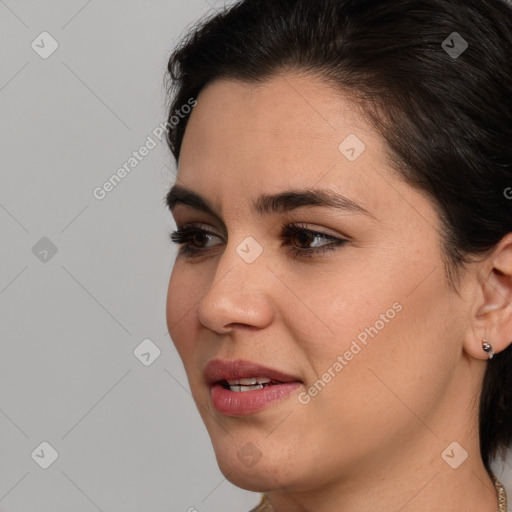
361	343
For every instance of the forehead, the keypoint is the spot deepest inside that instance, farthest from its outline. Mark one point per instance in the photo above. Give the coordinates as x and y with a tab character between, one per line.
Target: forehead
290	132
286	111
288	119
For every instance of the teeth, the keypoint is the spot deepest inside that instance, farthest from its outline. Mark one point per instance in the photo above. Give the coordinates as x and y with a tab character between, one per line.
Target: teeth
249	381
246	388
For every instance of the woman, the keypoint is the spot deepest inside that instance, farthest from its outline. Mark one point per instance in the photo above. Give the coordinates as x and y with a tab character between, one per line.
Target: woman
342	295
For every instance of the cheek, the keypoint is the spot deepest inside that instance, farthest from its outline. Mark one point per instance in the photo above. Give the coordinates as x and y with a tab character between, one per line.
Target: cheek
380	324
349	308
398	347
181	297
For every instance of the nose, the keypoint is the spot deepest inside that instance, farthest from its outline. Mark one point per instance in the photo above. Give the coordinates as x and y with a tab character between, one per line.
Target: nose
238	295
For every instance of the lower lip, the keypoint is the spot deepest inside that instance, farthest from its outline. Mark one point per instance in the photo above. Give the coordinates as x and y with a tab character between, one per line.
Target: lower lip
233	403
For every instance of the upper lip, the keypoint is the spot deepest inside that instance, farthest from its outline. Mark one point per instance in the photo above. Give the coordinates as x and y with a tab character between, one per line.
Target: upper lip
218	369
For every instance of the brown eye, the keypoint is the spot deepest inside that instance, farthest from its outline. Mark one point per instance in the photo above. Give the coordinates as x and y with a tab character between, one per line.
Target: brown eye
299	240
301	236
193	239
304	238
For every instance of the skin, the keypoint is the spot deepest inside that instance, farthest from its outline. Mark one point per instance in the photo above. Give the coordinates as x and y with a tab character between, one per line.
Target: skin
372	438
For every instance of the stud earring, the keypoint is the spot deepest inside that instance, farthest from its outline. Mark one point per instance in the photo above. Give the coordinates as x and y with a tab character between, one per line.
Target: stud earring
487	347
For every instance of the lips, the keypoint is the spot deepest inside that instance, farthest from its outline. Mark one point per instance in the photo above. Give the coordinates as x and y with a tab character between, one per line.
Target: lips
242	387
219	370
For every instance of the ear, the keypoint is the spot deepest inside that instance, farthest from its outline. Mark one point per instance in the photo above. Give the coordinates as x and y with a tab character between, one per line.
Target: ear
492	314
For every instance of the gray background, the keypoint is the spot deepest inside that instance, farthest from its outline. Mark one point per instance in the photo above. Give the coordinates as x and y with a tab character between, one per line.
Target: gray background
128	436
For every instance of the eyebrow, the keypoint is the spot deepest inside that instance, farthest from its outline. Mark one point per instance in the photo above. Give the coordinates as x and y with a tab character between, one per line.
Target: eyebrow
267	204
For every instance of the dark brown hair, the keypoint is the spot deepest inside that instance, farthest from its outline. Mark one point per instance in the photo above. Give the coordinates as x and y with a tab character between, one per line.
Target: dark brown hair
444	109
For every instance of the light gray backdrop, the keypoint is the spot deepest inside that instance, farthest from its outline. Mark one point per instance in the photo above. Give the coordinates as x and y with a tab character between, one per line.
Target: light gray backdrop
127	435
95	410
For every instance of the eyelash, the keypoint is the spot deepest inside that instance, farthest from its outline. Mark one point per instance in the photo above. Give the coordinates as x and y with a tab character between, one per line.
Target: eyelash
186	233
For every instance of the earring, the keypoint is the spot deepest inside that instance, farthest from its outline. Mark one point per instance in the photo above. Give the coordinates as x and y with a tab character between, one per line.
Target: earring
487	347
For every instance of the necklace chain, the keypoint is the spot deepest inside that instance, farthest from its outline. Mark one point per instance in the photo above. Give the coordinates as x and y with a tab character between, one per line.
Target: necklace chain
502	496
502	499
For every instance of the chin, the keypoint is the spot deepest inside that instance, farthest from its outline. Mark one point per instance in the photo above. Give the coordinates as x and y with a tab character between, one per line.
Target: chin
251	469
250	481
258	478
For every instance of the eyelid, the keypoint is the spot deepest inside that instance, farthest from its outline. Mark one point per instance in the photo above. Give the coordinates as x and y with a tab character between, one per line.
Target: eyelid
301	226
321	230
191	227
185	233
